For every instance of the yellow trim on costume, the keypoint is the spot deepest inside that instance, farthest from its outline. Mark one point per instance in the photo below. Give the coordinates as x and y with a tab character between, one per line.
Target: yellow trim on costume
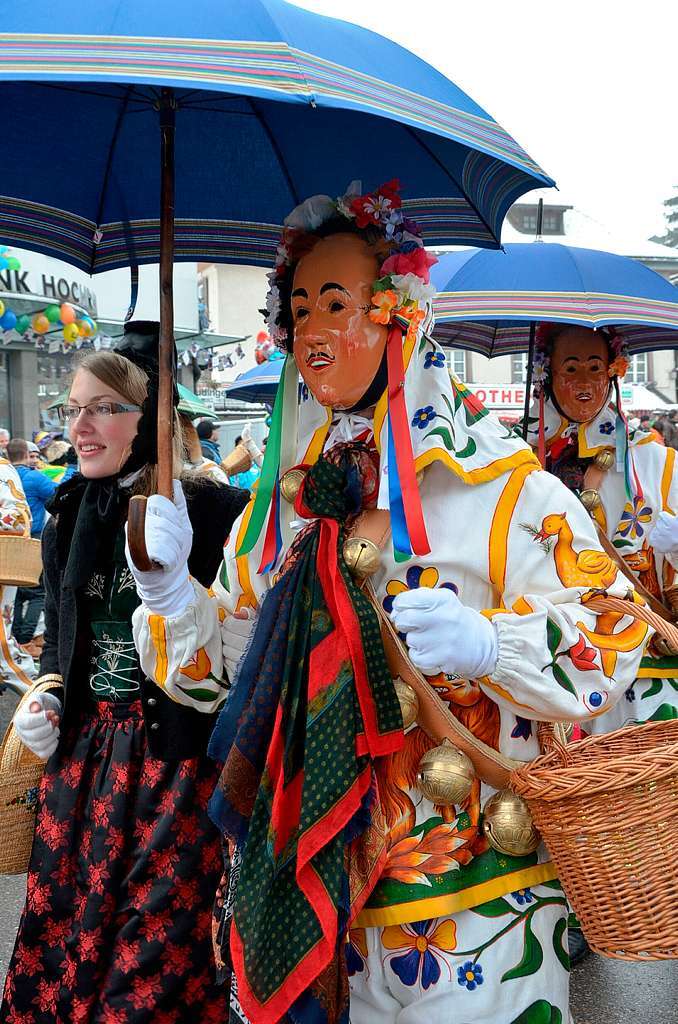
242	564
156	627
600	517
657	673
667	477
559	432
317	442
501	521
582	444
482	475
522	607
646	440
441	906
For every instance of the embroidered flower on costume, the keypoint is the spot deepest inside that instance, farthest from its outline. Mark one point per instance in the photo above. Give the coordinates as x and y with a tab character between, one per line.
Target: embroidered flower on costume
470	975
522	729
425	943
356	951
606	428
630	695
633	517
435	359
423	417
583	657
417	576
523	896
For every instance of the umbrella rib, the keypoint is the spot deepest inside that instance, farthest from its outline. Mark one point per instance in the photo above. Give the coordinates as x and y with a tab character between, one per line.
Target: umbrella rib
111	152
452	178
139	97
276	149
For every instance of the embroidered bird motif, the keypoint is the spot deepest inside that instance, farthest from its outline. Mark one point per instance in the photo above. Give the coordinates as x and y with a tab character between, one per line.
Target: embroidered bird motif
588	568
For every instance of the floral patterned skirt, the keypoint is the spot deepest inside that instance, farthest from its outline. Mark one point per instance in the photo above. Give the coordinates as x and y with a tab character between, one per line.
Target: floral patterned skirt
125	865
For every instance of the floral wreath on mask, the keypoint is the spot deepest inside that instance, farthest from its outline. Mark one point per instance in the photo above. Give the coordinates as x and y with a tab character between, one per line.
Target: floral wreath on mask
403	287
541	372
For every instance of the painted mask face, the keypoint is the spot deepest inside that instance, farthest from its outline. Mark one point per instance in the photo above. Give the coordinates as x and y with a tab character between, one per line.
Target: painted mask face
579	364
338	349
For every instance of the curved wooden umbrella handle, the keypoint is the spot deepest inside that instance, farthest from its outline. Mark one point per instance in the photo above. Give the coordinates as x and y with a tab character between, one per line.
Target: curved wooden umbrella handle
136	537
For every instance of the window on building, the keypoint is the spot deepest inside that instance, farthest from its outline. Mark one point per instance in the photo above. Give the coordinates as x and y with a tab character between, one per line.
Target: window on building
456	361
529	221
519	368
638	371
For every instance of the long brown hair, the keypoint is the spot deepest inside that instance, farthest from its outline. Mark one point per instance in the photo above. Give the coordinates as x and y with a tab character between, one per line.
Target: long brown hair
131	382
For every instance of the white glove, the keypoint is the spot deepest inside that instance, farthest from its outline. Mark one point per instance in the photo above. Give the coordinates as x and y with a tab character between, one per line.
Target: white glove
443	635
236	631
169	536
251	445
664	534
37	724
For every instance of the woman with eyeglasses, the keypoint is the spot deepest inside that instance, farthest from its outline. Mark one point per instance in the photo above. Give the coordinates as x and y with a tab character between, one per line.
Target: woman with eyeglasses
125	862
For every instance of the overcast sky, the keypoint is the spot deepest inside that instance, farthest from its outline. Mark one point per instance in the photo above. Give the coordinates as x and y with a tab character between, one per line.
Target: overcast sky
588	87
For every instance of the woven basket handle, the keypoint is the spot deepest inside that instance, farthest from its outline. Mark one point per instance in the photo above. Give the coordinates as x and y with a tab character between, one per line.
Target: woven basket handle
13	752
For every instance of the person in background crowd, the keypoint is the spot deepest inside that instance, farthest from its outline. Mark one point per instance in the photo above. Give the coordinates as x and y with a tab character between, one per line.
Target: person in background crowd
194	458
30	601
646	424
4	438
125	861
247	478
209	440
62	462
16	664
35	459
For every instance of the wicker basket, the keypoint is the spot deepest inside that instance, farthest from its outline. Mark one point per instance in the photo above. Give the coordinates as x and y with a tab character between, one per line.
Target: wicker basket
20	559
237	461
20	776
607	808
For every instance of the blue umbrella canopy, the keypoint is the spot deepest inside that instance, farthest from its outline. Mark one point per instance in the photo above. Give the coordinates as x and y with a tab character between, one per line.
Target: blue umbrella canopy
486	301
272	104
258	384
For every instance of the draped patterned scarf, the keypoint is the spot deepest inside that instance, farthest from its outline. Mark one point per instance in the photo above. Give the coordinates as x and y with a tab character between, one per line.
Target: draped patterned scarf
311	707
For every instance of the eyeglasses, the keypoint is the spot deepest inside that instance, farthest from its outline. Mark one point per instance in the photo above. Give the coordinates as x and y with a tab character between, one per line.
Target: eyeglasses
96	410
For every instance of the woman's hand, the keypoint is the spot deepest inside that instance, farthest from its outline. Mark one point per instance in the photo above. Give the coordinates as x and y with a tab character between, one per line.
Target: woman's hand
168	534
37	725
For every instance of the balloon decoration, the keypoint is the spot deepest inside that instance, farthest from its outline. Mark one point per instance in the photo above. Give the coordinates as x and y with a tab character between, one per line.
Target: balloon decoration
74	327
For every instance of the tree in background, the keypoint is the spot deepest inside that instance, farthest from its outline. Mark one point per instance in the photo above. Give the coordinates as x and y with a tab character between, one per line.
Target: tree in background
671	217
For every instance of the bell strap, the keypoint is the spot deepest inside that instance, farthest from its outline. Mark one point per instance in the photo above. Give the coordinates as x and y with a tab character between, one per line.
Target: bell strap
593	479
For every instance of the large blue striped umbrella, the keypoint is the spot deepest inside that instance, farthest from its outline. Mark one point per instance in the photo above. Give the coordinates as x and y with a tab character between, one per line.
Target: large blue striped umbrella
272	104
486	301
255	105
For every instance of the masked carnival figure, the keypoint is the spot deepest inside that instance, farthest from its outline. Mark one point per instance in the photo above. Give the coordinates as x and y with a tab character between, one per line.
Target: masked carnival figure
359	861
628	483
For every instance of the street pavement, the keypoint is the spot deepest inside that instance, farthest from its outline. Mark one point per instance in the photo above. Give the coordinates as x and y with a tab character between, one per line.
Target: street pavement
603	991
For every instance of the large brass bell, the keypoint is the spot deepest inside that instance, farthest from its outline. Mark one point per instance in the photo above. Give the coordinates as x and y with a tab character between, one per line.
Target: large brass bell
290	484
590	499
508	825
362	556
605	459
408	700
445	775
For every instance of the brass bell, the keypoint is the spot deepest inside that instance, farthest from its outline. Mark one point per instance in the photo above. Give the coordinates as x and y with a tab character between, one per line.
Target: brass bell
290	484
445	775
590	498
605	459
508	825
408	700
362	556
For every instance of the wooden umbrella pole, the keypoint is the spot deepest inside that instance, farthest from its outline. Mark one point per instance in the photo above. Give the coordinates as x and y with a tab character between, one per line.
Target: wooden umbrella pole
166	368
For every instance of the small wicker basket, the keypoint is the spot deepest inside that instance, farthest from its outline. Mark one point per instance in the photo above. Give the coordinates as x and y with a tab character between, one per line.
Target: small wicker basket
607	808
237	461
20	559
20	776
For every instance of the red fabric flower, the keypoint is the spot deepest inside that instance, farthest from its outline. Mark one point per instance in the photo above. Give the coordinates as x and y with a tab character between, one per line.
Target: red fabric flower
582	657
375	206
145	991
416	262
48	992
176	958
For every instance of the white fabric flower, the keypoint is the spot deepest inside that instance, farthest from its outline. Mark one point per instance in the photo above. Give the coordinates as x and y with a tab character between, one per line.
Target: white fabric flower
412	287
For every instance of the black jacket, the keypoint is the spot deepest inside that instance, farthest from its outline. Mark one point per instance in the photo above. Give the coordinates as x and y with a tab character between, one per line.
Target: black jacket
173	731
